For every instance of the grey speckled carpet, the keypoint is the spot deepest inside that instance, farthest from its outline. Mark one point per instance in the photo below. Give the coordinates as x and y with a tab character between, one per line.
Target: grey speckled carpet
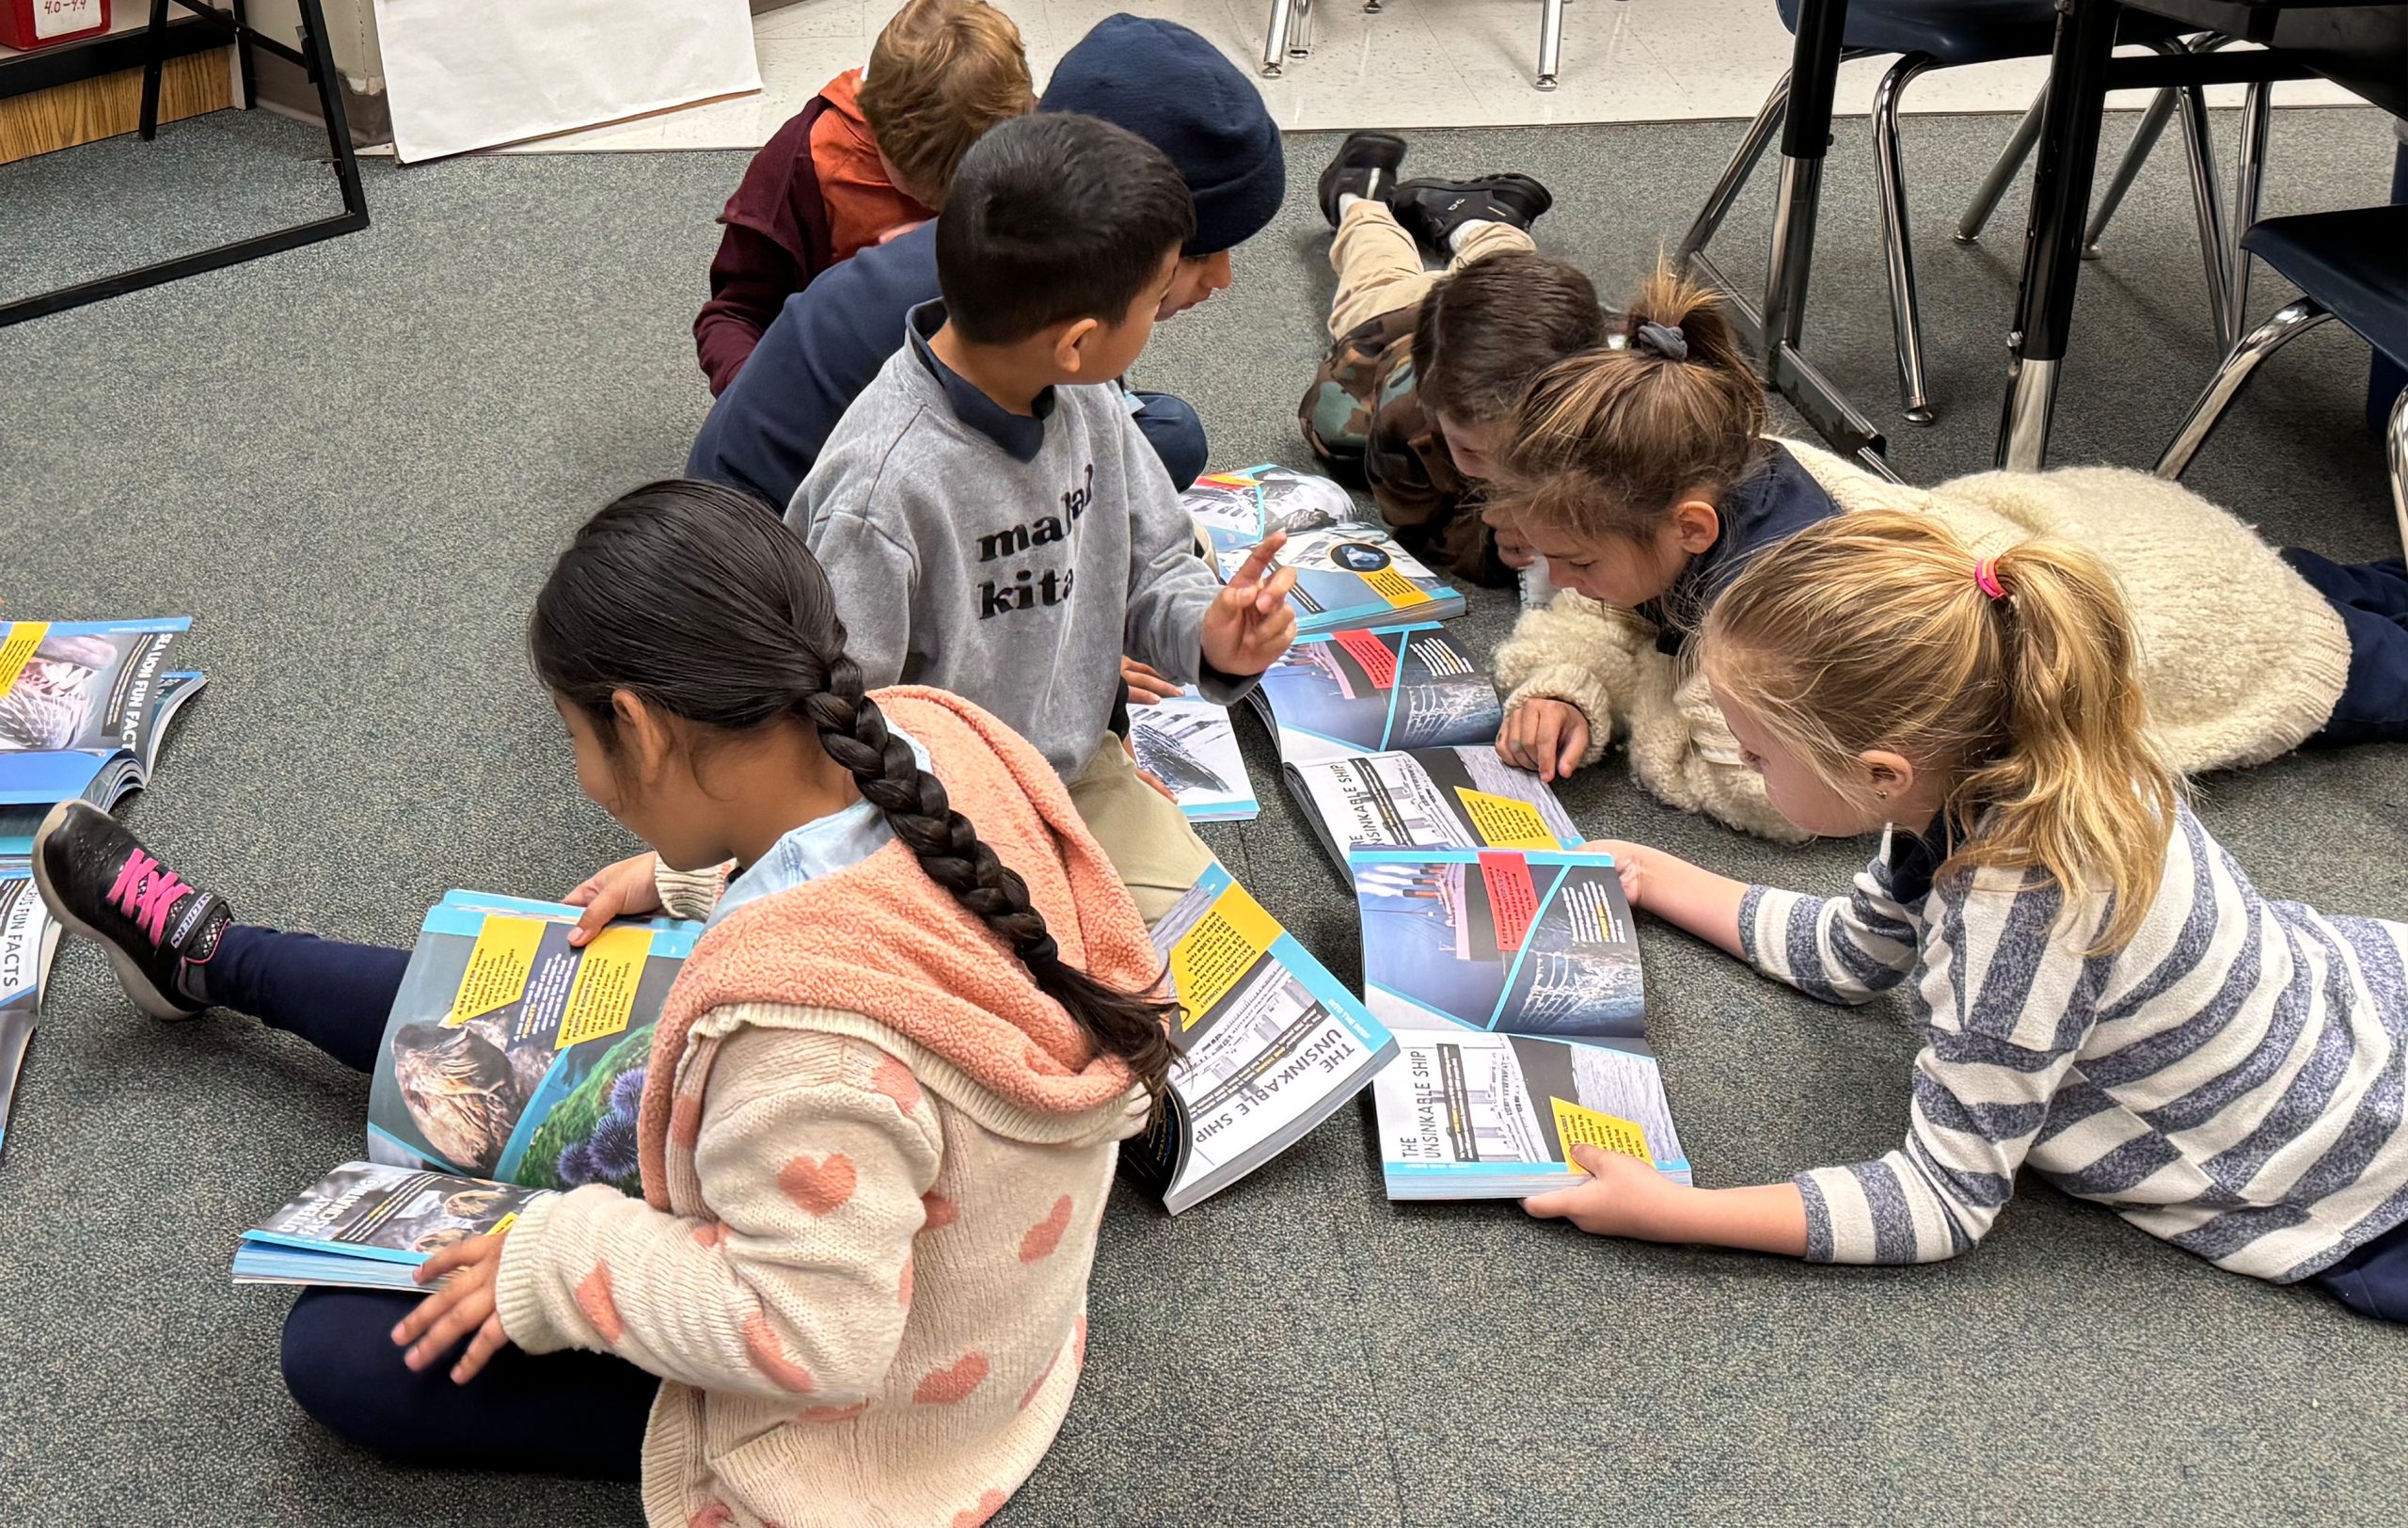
349	463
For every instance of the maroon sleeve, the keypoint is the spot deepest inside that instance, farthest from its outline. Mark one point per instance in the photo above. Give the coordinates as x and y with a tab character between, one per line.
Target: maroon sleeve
751	279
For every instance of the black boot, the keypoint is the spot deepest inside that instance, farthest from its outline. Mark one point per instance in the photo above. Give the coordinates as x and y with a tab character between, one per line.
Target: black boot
1366	165
100	882
1431	211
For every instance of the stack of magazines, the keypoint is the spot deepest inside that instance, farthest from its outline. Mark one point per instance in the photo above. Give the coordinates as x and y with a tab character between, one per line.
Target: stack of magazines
84	705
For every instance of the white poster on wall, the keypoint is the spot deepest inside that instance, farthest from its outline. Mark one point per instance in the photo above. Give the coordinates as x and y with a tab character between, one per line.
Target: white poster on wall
461	74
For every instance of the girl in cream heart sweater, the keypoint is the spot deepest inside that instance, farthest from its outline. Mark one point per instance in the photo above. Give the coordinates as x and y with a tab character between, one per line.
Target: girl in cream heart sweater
1644	478
879	1119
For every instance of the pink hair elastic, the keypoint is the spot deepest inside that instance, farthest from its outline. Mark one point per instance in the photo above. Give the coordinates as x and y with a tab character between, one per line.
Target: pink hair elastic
1985	576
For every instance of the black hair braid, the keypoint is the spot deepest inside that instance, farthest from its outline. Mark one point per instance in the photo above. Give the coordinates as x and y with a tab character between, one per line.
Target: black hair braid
700	600
854	732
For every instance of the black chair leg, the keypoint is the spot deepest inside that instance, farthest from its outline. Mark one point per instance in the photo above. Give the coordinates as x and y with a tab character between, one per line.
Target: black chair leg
153	66
242	54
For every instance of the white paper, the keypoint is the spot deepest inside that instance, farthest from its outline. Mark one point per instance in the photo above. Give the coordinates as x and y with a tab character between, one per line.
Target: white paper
58	18
463	74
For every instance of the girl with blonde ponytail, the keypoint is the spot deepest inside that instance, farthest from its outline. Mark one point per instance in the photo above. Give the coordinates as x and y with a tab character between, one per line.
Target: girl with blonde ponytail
1645	478
2103	993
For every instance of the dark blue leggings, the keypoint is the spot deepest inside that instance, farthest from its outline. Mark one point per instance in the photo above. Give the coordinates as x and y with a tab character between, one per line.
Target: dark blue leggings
567	1413
2373	1281
2372	602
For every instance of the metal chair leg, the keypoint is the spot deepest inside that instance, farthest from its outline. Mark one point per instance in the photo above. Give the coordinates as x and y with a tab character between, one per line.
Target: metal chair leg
2288	323
2397	452
1735	175
1274	38
1550	41
2002	174
2206	197
1889	171
2256	121
2145	136
243	54
153	66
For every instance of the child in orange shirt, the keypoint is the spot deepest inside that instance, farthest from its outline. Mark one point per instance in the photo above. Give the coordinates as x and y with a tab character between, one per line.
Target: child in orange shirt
872	155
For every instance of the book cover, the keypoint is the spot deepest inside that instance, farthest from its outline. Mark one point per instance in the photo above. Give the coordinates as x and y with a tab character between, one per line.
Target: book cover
1382	688
1428	798
1350	572
1524	942
83	707
509	1055
1468	1115
1269	1045
1188	744
28	942
367	1225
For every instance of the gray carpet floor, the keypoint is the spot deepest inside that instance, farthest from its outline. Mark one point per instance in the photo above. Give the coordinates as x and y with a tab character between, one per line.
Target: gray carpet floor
351	464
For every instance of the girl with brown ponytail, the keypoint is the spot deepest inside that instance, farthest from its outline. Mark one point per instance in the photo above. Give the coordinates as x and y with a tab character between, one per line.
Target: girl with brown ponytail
881	1115
2104	996
1644	475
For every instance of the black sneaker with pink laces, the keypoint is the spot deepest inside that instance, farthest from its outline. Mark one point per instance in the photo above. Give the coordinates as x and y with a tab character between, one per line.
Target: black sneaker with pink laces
100	882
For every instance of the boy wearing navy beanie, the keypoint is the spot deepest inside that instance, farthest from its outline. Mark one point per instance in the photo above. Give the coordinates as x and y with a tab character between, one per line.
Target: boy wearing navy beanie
1155	79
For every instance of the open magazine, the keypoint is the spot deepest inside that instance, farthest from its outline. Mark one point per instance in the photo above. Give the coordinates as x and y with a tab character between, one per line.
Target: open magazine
84	705
369	1225
1367	691
509	1055
1188	744
1349	571
1530	942
1428	798
1465	1114
1269	1045
28	942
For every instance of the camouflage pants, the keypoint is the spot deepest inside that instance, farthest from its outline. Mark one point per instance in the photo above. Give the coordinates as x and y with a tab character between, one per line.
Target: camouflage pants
1379	266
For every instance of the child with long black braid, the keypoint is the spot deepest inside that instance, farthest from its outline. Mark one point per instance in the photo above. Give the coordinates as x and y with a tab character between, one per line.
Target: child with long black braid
874	1145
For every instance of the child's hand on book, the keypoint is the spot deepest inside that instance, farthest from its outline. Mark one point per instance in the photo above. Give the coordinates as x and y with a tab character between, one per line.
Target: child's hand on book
1147	685
1630	863
1622	1196
624	890
1249	623
462	1305
1548	736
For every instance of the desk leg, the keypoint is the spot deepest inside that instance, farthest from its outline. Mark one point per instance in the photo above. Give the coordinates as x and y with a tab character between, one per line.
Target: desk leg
1813	74
2068	154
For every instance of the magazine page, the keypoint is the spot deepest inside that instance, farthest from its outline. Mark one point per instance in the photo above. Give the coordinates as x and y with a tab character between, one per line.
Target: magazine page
1269	1045
1238	509
509	1055
1188	744
1530	942
75	694
1366	692
1464	1115
1430	798
17	825
28	940
1353	576
368	1224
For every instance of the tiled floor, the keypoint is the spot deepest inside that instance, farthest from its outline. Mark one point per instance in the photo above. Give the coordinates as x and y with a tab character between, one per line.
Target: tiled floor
1419	63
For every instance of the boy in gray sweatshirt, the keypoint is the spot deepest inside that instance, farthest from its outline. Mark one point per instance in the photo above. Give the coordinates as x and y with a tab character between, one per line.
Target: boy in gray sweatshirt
991	518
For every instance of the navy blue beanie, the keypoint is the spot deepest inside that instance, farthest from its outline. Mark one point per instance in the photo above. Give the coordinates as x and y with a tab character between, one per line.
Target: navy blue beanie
1172	89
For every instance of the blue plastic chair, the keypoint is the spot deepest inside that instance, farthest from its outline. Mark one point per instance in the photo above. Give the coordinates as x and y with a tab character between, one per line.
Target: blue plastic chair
2349	265
1945	34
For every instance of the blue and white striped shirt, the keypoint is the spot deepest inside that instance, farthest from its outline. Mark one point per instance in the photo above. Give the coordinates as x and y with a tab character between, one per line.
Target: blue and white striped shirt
2230	1081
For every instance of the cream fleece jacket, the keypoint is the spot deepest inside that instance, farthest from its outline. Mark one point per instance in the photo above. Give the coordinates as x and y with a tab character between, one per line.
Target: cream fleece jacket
875	1156
2240	658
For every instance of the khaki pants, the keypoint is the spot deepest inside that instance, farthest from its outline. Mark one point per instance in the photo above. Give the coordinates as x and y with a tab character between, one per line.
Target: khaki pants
1149	839
1379	266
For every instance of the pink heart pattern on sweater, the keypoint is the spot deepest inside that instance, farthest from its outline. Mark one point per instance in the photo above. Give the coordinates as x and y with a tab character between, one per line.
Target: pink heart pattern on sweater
593	1297
938	1212
949	1386
1047	1233
820	1187
714	1515
989	1503
892	1078
768	1355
